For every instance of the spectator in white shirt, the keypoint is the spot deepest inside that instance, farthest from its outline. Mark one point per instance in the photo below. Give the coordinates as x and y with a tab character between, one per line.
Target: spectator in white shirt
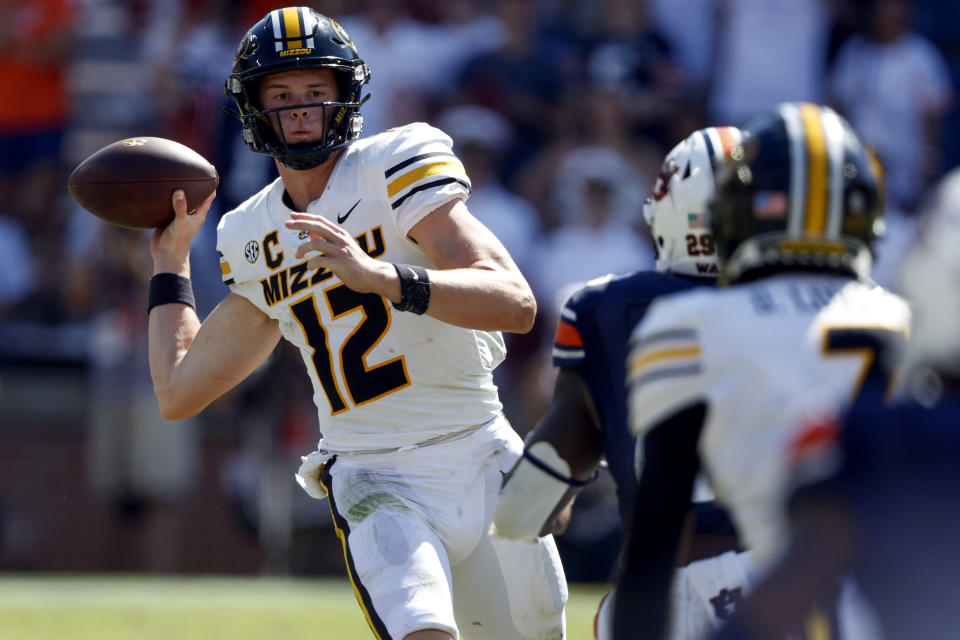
894	86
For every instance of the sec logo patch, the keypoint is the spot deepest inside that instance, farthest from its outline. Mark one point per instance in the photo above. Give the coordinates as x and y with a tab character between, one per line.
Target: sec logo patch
252	251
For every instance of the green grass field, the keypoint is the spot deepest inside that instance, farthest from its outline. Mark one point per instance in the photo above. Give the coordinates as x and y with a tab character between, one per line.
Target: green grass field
85	607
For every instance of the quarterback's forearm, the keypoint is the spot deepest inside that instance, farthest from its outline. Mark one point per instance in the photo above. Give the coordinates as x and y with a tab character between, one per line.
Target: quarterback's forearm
172	328
488	299
476	283
193	364
484	299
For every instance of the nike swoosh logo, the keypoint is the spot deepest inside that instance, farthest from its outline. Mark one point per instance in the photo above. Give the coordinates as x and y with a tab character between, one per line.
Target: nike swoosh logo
341	219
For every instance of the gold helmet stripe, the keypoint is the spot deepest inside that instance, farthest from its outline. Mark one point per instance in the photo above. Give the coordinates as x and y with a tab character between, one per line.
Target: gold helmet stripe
291	23
798	167
833	129
816	219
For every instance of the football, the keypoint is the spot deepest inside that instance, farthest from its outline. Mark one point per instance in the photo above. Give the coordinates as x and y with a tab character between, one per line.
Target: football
129	182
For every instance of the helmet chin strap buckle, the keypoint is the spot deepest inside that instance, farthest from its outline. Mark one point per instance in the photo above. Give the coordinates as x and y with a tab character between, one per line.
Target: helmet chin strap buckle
356	125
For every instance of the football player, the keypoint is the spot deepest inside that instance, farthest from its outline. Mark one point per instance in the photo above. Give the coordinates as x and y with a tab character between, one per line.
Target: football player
363	255
877	488
719	379
587	420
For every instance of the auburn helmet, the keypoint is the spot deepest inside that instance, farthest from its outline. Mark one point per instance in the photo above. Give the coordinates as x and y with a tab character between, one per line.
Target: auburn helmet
286	40
802	192
677	211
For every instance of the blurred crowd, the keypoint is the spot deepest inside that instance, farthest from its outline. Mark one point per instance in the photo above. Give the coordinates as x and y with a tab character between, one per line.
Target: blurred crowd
561	111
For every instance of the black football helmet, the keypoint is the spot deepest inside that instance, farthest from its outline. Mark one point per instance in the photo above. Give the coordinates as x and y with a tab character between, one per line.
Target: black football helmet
285	40
802	192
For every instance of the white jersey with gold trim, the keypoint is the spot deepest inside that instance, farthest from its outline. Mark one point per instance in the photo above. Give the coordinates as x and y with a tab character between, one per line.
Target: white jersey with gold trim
761	356
381	378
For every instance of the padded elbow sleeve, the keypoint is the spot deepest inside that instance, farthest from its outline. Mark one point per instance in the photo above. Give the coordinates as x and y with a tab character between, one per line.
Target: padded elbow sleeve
530	495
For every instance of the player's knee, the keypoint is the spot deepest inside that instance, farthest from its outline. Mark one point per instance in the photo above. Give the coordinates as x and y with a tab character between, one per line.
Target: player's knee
545	618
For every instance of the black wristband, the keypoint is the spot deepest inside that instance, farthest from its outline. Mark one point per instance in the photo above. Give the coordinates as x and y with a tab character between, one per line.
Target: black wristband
550	471
166	288
414	289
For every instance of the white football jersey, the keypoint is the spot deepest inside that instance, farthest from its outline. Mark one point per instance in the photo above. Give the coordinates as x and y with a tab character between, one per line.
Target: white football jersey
381	378
763	357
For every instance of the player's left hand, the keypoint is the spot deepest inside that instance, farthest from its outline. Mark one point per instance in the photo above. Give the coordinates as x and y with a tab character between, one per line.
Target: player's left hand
337	251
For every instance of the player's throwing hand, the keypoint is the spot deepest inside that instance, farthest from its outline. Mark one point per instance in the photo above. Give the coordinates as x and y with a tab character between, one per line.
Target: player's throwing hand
170	245
338	252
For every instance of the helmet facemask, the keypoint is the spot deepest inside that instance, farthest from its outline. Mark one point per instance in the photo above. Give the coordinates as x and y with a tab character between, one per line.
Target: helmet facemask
262	129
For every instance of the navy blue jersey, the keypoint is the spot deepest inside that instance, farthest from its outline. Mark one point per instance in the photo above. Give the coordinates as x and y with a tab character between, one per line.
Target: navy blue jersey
898	481
592	335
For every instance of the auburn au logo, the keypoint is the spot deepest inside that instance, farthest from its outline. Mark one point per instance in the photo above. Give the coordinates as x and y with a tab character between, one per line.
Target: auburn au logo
726	603
662	186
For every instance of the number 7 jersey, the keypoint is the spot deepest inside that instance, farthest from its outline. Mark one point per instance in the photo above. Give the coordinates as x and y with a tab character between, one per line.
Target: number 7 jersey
762	357
381	378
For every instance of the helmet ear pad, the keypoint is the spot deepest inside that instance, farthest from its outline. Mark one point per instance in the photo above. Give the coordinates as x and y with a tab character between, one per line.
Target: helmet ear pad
666	246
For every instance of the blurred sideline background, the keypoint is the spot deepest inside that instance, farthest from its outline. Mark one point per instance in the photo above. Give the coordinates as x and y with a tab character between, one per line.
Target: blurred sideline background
561	111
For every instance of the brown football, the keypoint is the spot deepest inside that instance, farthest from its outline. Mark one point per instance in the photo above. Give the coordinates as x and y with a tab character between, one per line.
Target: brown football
129	182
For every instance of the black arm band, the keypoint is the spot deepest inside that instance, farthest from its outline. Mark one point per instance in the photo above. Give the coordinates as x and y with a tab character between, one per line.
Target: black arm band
414	289
550	471
166	288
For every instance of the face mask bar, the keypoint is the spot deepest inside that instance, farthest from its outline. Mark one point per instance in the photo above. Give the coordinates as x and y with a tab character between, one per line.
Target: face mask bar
262	136
274	119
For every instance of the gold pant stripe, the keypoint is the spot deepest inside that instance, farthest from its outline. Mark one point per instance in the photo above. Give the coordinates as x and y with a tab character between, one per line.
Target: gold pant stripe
342	529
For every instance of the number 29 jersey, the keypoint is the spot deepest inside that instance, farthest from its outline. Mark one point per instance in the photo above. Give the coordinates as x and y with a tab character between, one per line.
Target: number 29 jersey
381	378
761	357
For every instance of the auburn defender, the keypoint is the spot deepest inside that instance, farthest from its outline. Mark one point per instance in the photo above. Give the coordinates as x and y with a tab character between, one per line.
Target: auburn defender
587	420
363	255
719	380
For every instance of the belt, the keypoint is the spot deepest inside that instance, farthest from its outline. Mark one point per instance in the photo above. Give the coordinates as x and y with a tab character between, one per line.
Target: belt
447	437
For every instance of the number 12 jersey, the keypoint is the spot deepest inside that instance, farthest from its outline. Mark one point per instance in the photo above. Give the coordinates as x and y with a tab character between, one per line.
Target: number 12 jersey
381	378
